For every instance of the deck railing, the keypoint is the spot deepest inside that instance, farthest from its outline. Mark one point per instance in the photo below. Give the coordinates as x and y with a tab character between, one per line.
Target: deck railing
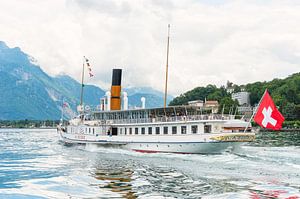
172	119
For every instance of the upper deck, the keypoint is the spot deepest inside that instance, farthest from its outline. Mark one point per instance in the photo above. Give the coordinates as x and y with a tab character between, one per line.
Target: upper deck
154	115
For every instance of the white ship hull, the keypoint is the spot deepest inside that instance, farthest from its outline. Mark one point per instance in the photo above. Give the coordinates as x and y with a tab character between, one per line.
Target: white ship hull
192	144
184	148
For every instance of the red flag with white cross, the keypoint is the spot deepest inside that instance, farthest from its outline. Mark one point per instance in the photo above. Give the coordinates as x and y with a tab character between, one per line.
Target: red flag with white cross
267	115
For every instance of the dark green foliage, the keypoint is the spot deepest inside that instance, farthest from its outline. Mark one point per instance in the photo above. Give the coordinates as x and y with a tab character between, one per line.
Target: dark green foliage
285	93
210	92
228	104
28	123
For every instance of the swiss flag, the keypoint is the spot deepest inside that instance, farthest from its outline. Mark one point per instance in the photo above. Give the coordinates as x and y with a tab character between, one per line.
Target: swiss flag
267	115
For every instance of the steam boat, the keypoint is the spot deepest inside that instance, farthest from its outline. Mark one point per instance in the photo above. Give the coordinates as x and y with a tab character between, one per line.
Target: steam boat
173	129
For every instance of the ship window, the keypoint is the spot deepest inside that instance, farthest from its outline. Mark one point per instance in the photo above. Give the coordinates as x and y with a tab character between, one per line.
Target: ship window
143	130
121	131
165	130
194	129
89	130
157	130
125	131
183	129
174	129
207	128
136	131
130	131
149	130
93	131
114	131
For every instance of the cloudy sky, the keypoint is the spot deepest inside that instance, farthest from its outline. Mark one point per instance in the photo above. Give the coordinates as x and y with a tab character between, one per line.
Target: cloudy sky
212	41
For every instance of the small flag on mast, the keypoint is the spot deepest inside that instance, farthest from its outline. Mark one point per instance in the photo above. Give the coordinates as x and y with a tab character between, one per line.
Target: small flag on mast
66	104
88	66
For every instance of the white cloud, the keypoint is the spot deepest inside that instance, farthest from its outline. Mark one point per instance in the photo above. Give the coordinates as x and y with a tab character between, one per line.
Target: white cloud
211	41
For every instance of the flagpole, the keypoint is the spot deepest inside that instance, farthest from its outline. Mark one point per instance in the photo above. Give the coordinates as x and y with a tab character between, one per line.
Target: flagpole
254	112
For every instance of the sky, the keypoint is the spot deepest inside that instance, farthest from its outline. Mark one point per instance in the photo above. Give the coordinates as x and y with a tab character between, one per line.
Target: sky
211	41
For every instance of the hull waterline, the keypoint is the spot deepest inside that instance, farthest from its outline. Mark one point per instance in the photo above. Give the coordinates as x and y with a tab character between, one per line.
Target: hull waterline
189	147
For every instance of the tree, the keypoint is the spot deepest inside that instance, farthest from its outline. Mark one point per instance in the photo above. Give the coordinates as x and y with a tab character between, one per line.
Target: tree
285	93
228	104
289	111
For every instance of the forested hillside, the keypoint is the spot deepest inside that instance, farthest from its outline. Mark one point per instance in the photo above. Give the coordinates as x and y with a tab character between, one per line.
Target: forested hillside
285	92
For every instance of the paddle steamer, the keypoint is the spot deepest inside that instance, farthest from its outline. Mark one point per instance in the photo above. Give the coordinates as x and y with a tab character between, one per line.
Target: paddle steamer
173	129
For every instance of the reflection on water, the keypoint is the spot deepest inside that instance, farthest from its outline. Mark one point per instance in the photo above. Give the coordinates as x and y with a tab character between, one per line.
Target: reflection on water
34	165
115	178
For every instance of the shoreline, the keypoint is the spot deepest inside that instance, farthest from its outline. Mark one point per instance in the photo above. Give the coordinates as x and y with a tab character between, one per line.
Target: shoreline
281	130
25	128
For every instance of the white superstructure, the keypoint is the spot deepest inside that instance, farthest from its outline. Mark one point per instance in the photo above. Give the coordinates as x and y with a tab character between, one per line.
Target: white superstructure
178	129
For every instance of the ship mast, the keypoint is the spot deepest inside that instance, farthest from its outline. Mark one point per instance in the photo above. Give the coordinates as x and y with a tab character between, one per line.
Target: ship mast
167	67
82	85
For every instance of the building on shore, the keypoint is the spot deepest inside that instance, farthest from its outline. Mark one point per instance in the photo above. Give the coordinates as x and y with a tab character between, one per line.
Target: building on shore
213	104
242	97
198	103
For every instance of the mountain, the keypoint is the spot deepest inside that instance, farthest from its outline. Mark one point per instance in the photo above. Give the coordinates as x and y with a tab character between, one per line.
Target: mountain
27	92
22	85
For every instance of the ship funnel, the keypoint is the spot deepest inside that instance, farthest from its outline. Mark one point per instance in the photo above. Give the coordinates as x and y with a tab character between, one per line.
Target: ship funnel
125	101
143	100
108	97
116	90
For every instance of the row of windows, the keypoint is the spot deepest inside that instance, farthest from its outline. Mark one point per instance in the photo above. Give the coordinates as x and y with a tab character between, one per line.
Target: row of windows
84	130
142	131
158	130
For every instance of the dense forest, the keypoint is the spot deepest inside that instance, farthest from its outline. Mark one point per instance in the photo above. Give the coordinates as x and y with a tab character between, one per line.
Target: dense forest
28	123
285	93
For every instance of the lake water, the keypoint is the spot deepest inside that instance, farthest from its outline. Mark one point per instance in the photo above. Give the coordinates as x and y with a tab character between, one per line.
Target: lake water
33	164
